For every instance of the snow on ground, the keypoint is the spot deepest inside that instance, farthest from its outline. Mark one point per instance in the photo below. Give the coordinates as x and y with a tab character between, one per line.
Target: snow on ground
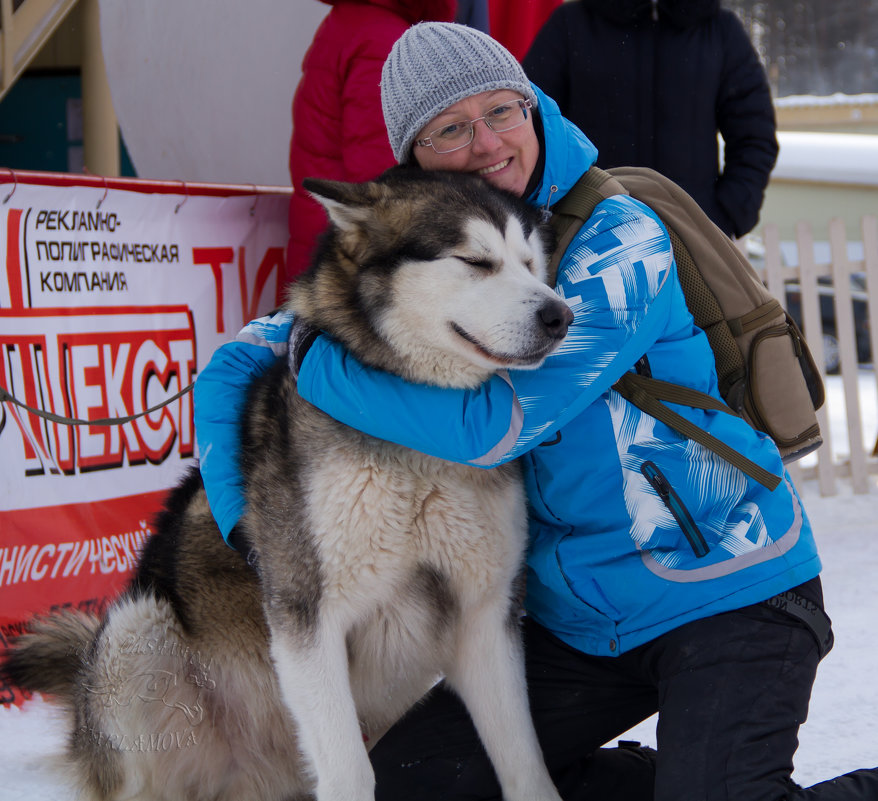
838	737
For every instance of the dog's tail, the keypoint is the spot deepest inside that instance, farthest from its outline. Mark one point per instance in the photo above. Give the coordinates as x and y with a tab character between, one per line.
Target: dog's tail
48	658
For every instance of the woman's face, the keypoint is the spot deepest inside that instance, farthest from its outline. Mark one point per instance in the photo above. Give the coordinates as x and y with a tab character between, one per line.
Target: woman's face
505	159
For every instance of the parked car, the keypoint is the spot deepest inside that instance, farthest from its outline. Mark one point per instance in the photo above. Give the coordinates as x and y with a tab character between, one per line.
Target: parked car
859	299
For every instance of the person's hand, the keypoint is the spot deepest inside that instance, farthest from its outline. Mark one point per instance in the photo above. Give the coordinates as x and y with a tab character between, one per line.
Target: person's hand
302	336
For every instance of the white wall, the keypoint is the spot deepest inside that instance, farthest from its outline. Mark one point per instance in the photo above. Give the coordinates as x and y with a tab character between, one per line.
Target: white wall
203	88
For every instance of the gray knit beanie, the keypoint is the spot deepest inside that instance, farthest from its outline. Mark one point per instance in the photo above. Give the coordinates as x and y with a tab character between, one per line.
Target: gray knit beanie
434	65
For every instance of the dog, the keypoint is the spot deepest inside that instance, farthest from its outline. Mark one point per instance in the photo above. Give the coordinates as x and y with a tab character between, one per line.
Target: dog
371	570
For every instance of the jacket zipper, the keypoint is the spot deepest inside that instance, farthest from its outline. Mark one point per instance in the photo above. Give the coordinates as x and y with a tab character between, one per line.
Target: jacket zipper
676	507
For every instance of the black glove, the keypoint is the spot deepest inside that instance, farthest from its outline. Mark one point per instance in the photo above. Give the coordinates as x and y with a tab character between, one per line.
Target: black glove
302	336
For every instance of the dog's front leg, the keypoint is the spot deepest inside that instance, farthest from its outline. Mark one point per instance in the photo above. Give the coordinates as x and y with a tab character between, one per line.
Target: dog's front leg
489	676
312	669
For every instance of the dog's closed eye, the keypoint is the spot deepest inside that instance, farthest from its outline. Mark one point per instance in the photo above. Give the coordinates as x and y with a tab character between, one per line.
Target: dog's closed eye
482	262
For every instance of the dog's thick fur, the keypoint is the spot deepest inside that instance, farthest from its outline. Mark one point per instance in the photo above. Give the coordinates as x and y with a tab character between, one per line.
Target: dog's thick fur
372	568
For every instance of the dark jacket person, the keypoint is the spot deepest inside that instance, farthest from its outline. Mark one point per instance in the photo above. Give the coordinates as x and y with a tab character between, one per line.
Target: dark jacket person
653	81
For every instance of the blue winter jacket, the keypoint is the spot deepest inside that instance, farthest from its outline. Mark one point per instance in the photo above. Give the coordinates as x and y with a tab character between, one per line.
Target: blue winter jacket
634	530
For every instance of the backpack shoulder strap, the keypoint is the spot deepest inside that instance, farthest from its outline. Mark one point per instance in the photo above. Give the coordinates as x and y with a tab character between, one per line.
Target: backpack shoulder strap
572	210
647	394
593	186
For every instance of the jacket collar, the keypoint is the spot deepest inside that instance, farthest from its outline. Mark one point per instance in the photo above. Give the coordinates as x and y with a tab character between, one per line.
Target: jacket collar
568	153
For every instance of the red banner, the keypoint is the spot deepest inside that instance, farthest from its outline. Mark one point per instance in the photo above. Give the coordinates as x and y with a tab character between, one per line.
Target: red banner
115	295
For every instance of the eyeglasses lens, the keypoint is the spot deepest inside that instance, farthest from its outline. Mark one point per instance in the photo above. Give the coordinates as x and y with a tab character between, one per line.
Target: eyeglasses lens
459	134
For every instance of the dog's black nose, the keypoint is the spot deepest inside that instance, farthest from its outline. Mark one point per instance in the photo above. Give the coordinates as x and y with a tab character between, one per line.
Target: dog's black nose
555	315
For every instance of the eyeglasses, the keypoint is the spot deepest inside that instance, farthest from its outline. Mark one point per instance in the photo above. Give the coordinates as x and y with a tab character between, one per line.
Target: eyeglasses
459	134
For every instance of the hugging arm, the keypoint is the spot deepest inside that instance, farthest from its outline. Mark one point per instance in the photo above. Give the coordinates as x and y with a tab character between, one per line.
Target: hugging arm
220	392
615	278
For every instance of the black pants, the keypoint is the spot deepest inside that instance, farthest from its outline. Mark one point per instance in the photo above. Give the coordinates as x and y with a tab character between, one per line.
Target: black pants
731	692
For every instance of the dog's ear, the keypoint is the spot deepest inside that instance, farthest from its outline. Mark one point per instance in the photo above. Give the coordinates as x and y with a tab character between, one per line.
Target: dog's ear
348	205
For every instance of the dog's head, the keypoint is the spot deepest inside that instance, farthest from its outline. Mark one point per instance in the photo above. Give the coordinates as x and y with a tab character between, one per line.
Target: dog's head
436	276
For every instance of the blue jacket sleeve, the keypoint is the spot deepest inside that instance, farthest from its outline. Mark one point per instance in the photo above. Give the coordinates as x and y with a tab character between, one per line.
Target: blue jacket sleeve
618	276
220	392
451	424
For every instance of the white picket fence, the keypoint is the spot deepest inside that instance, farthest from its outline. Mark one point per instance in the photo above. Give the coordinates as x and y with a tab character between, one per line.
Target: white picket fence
862	461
